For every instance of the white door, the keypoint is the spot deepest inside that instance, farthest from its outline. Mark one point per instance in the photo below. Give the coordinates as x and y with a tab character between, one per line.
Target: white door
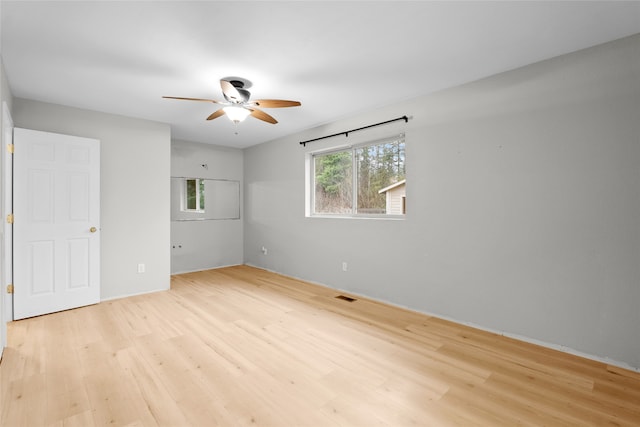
56	201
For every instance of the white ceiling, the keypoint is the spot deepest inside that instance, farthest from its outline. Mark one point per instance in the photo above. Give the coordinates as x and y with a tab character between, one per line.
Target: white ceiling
337	58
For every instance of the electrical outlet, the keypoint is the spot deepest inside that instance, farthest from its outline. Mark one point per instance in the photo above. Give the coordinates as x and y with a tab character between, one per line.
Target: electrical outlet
264	250
141	268
344	266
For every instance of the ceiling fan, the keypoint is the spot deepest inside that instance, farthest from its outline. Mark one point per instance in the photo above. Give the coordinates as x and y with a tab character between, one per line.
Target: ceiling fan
237	105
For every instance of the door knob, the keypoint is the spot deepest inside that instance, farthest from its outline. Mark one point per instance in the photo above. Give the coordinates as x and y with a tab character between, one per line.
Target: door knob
93	229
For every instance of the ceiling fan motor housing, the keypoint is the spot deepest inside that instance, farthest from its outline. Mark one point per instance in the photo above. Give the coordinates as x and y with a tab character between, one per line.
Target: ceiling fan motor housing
239	84
244	95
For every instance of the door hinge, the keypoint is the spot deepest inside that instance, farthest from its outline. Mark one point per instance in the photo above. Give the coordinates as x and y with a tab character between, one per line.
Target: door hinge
10	289
11	148
10	219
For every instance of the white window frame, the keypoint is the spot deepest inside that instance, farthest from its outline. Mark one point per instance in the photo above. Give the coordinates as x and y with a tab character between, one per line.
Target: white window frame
185	196
310	174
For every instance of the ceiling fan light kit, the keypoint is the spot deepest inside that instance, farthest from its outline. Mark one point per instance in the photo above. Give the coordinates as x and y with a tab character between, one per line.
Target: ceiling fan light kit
236	114
237	105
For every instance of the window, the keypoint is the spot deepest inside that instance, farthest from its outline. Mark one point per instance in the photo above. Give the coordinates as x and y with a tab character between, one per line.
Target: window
188	196
194	195
365	180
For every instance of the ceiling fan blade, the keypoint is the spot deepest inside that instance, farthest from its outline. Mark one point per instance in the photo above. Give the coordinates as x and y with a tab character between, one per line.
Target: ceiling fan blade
192	99
275	103
258	114
216	114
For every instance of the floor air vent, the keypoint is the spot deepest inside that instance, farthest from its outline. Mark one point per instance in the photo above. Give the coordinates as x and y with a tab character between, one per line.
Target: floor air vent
346	298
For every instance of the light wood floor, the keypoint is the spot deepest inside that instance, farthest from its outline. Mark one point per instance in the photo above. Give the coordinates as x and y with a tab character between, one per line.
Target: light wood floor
242	346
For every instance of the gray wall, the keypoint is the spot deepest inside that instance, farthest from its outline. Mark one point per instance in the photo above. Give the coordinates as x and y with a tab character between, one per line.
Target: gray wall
523	203
135	169
201	245
5	91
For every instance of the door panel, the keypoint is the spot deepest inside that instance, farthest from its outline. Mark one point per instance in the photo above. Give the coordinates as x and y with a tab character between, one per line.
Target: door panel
78	250
40	203
56	225
41	269
79	205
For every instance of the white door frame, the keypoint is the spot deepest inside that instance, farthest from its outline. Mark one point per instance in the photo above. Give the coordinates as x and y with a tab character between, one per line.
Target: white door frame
6	239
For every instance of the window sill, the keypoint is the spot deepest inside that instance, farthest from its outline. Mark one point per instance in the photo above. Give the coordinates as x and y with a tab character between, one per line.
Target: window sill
356	216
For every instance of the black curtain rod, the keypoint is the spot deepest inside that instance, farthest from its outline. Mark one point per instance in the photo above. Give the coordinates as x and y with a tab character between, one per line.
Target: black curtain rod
346	133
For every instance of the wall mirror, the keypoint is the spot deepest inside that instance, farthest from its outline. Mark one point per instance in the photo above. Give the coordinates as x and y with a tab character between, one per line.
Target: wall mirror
196	199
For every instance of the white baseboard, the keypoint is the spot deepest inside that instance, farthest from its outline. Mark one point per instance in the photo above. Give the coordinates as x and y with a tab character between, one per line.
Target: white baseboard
558	347
132	295
204	269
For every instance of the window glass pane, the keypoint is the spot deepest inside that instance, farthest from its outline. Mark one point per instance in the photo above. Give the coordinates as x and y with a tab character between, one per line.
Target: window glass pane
333	183
364	180
381	174
191	194
201	207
